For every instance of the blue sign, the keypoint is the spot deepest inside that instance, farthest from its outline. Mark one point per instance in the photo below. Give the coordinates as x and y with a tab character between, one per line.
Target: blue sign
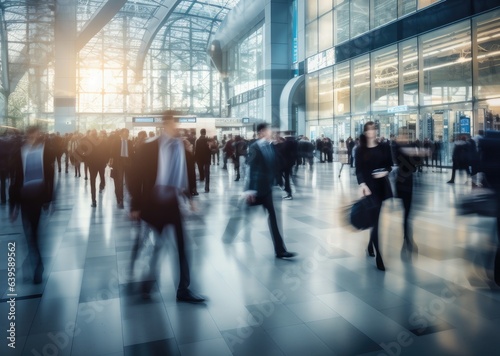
464	124
295	32
186	120
144	120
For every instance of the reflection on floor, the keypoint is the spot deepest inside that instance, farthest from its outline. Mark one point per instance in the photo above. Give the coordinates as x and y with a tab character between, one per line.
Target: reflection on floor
330	300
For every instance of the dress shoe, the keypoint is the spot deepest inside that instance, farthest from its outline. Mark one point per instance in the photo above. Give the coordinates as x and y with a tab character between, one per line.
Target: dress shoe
207	190
94	204
450	182
288	197
237	179
380	263
189	297
286	254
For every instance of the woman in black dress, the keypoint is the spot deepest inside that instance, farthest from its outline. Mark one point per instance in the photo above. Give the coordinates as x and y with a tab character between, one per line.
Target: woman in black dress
373	164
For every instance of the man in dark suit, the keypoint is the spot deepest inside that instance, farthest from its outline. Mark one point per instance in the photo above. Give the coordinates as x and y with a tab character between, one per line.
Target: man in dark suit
261	165
122	150
32	183
158	181
203	156
489	146
95	153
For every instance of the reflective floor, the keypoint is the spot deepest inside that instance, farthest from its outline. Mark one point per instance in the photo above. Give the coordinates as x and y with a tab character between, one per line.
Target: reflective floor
330	300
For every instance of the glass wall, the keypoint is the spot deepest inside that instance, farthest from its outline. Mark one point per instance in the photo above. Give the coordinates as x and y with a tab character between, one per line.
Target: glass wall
342	88
447	65
384	11
385	78
360	94
246	66
360	17
325	93
409	58
422	86
351	18
312	96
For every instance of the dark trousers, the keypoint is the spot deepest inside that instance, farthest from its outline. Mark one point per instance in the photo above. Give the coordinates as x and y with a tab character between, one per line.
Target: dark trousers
66	161
93	171
206	170
235	223
77	164
374	231
58	158
287	172
404	191
120	172
184	277
3	185
455	167
30	215
201	170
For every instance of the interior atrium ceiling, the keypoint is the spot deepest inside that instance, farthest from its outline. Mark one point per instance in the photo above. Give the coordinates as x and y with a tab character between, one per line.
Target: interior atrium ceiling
130	49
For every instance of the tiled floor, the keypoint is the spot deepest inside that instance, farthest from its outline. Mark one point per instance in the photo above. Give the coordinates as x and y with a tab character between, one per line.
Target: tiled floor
330	300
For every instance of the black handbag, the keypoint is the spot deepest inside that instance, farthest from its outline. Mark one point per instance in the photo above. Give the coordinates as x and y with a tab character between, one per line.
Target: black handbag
362	214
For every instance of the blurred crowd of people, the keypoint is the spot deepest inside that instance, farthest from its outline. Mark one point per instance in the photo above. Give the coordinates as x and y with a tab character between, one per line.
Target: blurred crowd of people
158	172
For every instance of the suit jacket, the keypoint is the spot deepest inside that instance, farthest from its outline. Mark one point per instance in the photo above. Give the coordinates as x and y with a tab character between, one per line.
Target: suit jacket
158	205
116	149
202	151
17	178
261	169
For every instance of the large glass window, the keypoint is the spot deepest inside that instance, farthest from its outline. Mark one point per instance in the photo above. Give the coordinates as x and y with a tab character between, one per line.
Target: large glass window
324	6
326	31
311	10
312	38
384	11
409	56
247	63
326	93
407	7
361	85
341	23
360	17
447	65
342	88
312	96
488	57
385	78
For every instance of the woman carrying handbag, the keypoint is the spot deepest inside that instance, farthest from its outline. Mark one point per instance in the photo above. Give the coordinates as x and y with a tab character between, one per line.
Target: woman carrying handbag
373	164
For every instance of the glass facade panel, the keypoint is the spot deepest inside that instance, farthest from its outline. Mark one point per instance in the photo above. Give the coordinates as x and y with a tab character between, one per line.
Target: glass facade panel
385	78
326	31
342	88
324	6
312	38
409	53
360	94
312	96
246	63
360	17
488	56
326	93
341	23
311	10
447	65
407	7
384	11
